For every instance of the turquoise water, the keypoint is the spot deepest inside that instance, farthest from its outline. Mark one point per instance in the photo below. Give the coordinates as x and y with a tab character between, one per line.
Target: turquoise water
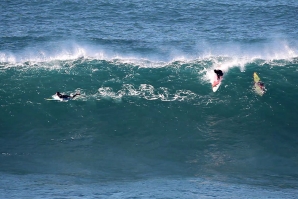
147	124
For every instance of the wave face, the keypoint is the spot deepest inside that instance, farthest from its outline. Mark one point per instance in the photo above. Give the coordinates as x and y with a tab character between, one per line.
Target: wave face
147	121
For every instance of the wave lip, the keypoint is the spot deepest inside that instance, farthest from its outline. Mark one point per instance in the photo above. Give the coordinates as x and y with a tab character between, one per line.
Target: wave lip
62	51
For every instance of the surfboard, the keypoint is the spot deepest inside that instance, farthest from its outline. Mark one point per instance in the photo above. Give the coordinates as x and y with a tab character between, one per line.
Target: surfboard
51	99
215	88
257	88
56	98
216	82
256	78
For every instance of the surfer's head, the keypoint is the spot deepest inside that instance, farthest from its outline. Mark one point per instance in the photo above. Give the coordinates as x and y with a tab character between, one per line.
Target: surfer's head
57	93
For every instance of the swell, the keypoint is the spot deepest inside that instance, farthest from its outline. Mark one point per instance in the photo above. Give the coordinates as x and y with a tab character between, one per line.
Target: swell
150	115
123	81
136	77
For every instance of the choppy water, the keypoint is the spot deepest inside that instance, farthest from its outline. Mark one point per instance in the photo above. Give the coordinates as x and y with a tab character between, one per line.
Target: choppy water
147	124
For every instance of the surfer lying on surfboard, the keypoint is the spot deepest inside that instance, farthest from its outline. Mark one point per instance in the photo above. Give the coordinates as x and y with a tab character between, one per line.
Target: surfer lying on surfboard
66	97
261	85
219	75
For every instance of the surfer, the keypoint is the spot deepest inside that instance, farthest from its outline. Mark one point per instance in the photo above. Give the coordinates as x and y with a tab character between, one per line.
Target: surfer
261	85
219	73
65	97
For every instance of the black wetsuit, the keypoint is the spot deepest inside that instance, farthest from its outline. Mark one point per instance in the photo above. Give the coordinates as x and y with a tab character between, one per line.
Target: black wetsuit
66	96
219	73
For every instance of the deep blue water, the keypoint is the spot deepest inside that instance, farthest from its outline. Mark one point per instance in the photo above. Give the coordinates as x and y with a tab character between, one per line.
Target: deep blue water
147	124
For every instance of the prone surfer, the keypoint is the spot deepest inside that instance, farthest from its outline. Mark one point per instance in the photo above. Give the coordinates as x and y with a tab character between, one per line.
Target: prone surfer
65	97
261	85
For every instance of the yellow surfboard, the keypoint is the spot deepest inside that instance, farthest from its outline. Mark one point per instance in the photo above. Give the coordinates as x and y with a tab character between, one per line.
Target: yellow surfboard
256	78
257	88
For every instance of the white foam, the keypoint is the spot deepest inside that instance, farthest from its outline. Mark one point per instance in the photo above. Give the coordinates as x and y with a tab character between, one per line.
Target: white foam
145	91
225	55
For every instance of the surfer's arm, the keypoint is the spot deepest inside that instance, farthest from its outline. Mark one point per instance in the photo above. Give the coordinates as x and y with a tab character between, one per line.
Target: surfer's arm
75	95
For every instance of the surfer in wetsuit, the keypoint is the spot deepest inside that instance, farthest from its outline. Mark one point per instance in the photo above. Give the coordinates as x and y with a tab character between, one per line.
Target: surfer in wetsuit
219	73
65	97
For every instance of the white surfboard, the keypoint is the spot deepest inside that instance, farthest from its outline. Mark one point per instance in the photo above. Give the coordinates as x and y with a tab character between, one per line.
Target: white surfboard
215	88
214	81
56	98
217	82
